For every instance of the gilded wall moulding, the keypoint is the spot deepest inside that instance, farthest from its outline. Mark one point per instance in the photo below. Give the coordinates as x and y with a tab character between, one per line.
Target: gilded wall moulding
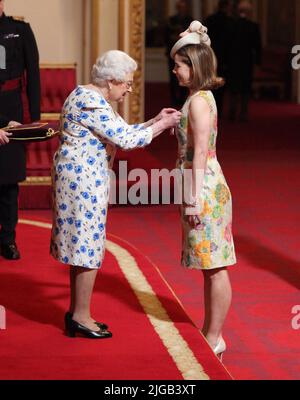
136	50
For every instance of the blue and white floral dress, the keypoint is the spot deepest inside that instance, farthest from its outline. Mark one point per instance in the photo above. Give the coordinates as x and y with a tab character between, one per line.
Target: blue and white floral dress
90	133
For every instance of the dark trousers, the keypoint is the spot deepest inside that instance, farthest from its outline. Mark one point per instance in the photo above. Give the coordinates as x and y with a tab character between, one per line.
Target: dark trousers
8	212
239	103
12	168
219	97
219	93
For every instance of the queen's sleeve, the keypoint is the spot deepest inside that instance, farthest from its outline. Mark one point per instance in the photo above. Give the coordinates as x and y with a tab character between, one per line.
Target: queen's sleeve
103	122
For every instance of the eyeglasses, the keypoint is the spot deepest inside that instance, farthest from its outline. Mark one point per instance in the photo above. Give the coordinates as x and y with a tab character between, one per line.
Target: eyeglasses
128	84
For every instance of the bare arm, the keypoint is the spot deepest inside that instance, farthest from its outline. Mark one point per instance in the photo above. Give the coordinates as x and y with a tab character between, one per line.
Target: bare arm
159	116
199	121
168	118
102	121
167	121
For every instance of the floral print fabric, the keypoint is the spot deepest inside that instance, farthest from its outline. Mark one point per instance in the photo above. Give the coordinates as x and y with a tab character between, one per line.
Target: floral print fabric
90	133
211	244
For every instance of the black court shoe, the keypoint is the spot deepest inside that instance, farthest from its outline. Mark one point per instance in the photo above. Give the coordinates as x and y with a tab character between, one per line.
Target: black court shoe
68	317
73	328
10	251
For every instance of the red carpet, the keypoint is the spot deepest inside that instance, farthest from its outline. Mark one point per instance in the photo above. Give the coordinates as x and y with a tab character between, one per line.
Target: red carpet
261	161
258	331
161	345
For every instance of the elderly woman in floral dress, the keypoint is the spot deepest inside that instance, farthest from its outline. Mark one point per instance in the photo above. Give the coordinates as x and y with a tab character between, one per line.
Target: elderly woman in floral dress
91	132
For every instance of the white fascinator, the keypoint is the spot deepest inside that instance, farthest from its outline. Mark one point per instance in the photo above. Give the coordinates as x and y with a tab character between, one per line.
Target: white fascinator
195	34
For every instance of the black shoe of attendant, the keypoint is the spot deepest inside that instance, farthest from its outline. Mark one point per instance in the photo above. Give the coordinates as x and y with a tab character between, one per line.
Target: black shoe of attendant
10	251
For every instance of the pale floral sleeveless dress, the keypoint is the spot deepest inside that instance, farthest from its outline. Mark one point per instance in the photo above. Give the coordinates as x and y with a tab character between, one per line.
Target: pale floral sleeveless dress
211	244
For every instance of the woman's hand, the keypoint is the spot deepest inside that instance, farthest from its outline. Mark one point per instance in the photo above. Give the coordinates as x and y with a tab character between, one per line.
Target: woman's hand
171	119
193	214
4	137
13	123
168	120
194	221
164	112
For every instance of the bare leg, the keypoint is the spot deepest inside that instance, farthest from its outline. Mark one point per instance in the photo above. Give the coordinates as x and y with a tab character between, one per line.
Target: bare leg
73	291
82	283
217	298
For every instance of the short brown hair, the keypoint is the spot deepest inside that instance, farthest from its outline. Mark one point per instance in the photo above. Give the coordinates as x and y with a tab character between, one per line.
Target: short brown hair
203	63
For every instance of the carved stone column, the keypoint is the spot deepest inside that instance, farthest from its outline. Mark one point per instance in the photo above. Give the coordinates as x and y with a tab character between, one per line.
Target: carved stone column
132	41
137	51
296	74
100	28
117	24
90	36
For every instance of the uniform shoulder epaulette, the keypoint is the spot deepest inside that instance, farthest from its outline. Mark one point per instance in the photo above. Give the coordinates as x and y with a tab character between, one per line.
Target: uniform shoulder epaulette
18	19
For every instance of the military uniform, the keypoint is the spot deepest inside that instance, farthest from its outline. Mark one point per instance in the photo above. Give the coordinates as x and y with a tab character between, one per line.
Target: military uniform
19	67
245	53
220	30
3	121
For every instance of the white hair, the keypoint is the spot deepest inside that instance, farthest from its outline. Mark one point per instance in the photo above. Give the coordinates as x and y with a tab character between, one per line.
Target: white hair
114	64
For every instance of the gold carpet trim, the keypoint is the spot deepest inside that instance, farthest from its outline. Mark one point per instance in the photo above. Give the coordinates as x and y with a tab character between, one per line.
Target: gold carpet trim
176	346
174	294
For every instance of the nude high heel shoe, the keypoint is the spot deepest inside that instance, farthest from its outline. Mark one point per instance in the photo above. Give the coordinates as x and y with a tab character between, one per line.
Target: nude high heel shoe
220	348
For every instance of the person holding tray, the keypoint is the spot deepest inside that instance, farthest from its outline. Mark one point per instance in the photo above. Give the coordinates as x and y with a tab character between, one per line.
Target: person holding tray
19	57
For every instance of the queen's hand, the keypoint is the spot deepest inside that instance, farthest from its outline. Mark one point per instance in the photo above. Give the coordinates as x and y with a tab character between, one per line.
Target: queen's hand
171	119
164	112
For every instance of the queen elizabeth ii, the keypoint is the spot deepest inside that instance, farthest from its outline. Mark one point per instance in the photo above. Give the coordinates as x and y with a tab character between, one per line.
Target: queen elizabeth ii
90	133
